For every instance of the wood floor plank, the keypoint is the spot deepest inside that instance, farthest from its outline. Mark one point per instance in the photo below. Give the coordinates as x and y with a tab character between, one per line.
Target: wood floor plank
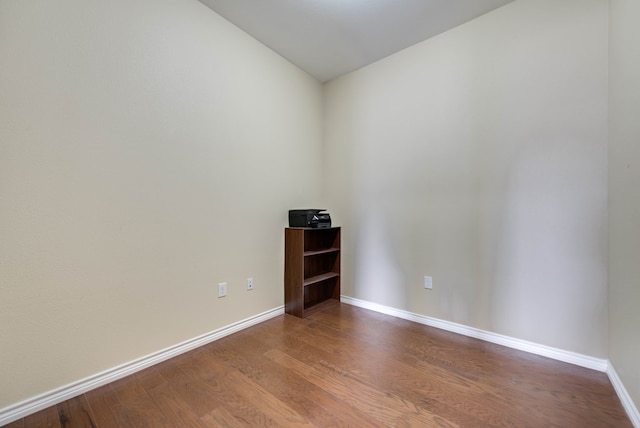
252	392
448	394
385	407
197	366
151	378
489	406
347	367
101	401
319	406
221	392
135	408
47	418
266	402
362	362
520	377
222	418
192	390
75	413
175	407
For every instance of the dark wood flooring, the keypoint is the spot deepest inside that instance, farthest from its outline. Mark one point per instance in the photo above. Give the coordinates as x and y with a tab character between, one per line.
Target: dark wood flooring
347	366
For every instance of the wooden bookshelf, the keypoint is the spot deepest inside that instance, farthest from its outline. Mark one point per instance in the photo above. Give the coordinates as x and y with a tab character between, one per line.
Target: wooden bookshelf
311	269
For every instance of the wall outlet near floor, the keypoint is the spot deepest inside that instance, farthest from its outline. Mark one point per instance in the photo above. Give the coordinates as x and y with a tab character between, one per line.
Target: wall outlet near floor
222	289
428	282
249	283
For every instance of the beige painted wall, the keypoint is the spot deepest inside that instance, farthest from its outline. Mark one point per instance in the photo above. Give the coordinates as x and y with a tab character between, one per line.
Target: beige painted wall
624	193
148	151
479	157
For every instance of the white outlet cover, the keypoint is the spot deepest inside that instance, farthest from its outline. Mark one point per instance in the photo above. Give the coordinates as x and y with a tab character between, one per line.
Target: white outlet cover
249	283
222	289
428	282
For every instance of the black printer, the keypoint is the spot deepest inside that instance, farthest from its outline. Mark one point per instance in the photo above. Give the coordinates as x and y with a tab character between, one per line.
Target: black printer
309	218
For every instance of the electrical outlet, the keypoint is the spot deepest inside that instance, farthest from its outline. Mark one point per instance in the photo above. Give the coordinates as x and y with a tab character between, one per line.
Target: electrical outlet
428	282
249	283
222	289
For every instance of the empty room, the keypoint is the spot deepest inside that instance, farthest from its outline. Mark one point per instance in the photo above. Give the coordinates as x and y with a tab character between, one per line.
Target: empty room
476	262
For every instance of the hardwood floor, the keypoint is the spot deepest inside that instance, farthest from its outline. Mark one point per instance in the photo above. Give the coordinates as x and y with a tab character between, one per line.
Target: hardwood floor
347	366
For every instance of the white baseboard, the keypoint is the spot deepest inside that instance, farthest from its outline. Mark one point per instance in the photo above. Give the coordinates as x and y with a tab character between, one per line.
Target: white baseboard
510	342
624	396
42	401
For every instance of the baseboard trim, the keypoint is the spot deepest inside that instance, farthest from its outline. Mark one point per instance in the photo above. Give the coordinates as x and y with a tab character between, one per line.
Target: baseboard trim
624	396
510	342
42	401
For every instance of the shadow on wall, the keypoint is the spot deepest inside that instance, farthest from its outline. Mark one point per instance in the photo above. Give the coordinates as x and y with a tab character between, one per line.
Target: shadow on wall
378	270
550	273
519	251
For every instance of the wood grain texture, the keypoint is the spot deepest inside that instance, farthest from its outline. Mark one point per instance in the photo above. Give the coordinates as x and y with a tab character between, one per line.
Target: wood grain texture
311	270
46	418
347	367
294	272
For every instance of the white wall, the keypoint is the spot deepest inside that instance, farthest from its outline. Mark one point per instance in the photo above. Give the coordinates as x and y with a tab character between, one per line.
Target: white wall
479	157
624	193
148	151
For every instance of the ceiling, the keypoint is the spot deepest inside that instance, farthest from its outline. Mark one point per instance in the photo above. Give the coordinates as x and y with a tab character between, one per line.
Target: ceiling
328	38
